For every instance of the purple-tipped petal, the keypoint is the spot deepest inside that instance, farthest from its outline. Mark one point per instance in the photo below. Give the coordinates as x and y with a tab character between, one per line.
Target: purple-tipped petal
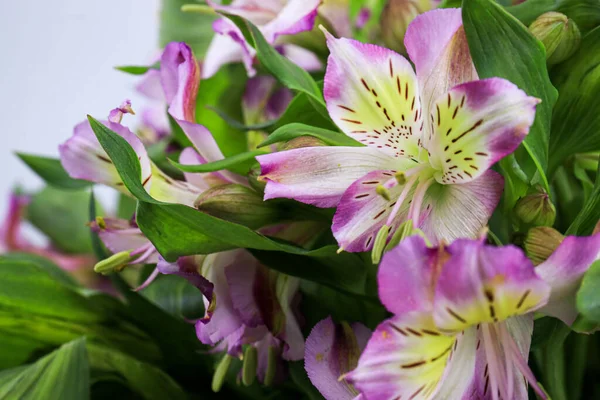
405	276
436	43
485	284
361	211
295	17
337	13
375	101
406	356
331	351
257	93
318	175
564	270
180	78
475	125
83	157
227	46
463	210
116	115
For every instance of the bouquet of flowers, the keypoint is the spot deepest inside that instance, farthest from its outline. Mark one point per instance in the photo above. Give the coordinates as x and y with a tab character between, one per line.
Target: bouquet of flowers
339	199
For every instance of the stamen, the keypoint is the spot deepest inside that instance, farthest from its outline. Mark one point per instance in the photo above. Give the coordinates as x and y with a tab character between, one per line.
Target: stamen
383	192
148	280
415	207
494	360
409	184
147	250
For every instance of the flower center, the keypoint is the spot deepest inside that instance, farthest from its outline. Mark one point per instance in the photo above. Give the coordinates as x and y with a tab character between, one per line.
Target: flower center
420	178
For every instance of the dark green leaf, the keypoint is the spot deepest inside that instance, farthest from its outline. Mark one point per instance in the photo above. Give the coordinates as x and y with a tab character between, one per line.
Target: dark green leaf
238	125
585	13
48	266
241	161
63	374
62	216
52	171
178	26
501	46
588	296
589	216
294	130
176	296
148	381
576	119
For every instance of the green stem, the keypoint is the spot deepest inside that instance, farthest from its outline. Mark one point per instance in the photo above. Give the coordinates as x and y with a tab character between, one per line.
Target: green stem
578	362
554	363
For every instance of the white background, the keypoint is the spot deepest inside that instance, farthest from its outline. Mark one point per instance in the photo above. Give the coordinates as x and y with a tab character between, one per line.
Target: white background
56	66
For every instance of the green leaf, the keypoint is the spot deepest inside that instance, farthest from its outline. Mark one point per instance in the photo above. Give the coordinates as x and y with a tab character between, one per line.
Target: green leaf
48	266
62	374
52	172
148	381
585	13
294	130
176	296
589	216
289	74
576	119
588	296
178	26
234	123
501	46
62	216
138	69
243	161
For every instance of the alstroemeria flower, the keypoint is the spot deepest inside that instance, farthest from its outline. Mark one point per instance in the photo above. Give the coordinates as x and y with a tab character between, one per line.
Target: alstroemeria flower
274	19
429	138
463	318
246	304
331	351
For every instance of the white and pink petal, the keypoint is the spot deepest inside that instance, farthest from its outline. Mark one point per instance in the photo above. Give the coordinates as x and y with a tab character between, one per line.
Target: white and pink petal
180	79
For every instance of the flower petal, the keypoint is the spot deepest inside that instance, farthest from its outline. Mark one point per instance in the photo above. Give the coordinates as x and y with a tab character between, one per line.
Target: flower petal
122	235
461	210
331	351
476	124
372	95
485	284
564	270
287	288
405	276
227	46
405	358
150	86
295	17
336	12
180	79
83	157
163	188
436	43
187	267
202	181
362	212
302	57
257	12
318	175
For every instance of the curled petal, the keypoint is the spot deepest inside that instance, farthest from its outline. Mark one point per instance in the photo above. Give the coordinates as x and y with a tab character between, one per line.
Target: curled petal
406	356
187	267
361	211
476	124
437	44
461	210
372	95
180	78
564	270
227	46
405	276
83	157
485	284
331	351
318	175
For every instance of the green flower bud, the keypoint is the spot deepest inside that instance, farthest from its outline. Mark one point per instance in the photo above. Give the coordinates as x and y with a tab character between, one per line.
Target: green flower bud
237	203
255	183
396	17
536	209
541	242
302	141
559	35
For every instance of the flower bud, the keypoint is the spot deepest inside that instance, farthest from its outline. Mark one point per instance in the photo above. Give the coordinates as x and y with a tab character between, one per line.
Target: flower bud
256	184
536	209
237	203
396	17
302	141
559	35
541	242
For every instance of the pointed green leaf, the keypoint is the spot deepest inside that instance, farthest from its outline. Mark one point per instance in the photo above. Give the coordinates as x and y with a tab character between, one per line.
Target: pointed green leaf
294	130
240	161
52	171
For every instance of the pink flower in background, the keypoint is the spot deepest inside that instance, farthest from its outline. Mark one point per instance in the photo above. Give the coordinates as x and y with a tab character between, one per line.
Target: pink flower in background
429	138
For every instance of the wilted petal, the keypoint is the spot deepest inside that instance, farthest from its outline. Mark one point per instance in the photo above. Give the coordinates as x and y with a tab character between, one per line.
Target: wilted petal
406	356
405	276
476	124
331	351
227	46
564	270
361	211
437	44
485	284
180	78
462	210
83	157
318	175
295	17
116	115
372	95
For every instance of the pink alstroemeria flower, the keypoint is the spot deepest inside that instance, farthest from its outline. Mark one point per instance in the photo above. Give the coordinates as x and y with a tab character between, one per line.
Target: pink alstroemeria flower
274	18
246	304
429	138
463	318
